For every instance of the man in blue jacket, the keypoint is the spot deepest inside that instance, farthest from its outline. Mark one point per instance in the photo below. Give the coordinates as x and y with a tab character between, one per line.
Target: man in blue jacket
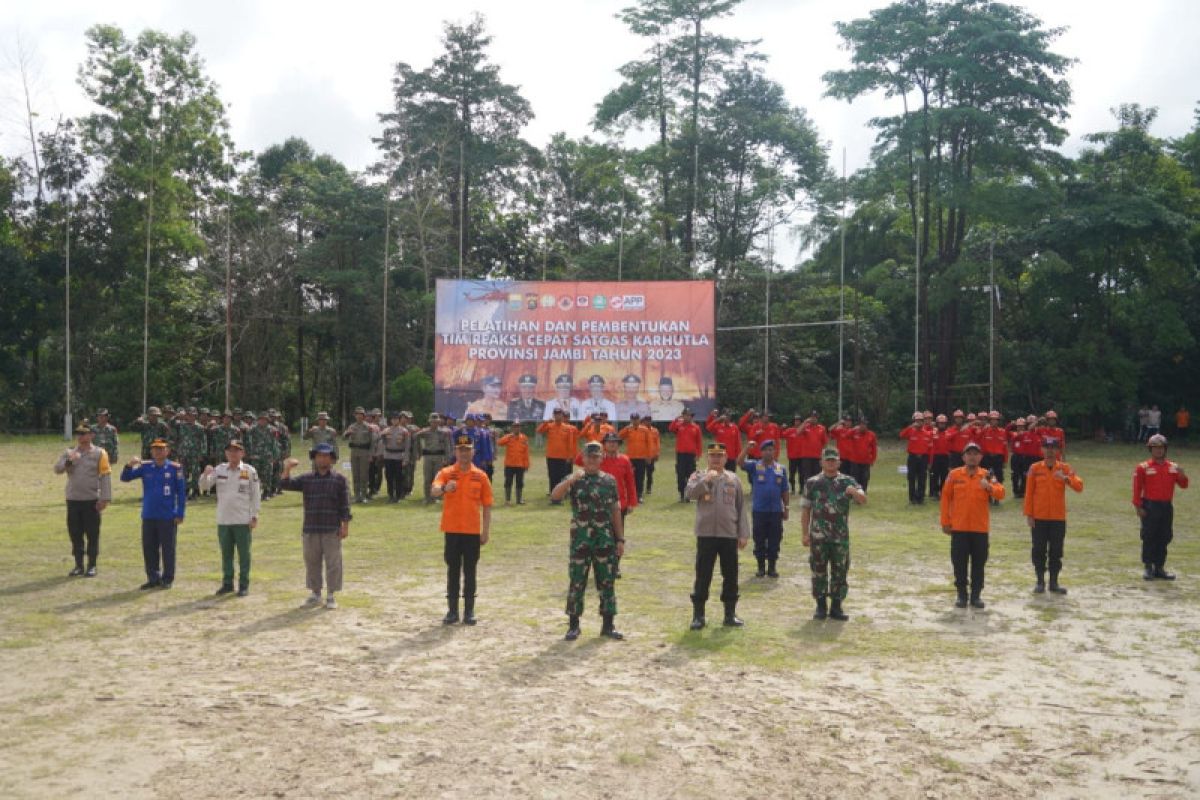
164	497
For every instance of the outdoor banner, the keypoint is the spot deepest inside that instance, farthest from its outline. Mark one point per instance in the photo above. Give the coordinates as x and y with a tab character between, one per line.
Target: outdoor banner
519	349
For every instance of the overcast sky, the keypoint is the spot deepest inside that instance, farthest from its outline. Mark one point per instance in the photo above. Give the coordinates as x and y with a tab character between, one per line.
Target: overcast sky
322	71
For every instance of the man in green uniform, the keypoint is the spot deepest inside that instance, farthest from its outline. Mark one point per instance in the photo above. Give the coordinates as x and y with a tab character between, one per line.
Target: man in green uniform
190	449
220	434
824	523
435	444
283	440
151	427
597	538
104	435
261	449
361	437
323	433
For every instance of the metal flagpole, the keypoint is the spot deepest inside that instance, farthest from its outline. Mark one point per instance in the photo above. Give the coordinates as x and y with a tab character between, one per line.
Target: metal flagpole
67	416
917	306
842	291
387	240
767	328
146	288
992	324
228	297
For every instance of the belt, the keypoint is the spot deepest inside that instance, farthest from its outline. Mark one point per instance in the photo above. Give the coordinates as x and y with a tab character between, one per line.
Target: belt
360	447
433	452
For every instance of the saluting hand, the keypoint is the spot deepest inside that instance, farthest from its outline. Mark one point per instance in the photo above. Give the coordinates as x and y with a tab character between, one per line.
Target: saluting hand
134	462
209	469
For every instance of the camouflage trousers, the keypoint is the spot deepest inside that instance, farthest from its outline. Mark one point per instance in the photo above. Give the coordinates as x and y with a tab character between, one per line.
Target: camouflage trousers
830	561
192	467
264	467
592	549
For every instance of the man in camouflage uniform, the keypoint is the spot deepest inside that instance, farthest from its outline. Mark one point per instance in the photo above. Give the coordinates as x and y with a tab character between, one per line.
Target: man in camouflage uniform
361	437
824	522
284	438
435	445
104	435
220	435
597	538
262	449
151	427
191	447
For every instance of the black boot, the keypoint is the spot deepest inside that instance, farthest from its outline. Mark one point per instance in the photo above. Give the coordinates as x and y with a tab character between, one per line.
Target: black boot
469	611
78	569
520	501
976	602
1149	574
1040	587
607	629
507	496
962	599
821	612
697	614
835	611
1054	587
451	615
771	573
762	568
731	617
1162	574
572	628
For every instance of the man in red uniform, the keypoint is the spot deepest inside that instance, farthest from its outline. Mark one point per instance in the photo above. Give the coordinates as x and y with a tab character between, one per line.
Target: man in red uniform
864	448
1051	430
688	439
939	464
840	434
764	430
1026	450
994	442
920	447
1154	482
728	434
792	438
806	440
958	422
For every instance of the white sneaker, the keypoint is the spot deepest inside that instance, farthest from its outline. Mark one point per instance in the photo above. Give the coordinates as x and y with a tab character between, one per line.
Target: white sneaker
330	602
313	599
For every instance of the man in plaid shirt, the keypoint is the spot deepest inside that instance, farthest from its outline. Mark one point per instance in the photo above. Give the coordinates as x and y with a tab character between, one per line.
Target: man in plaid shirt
326	520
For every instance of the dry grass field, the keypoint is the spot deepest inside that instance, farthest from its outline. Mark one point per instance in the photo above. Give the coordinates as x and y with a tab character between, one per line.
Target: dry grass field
107	691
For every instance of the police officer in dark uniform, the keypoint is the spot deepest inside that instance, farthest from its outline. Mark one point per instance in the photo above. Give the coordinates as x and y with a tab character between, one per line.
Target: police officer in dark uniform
526	408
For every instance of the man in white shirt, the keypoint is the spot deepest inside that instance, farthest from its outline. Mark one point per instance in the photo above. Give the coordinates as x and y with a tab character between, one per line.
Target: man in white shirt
597	403
239	496
563	400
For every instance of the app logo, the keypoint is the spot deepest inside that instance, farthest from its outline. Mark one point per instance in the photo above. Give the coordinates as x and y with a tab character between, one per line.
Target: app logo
582	301
616	302
634	302
547	301
599	302
566	303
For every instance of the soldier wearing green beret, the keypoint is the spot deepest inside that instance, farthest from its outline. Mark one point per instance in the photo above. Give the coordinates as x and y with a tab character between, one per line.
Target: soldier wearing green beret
105	435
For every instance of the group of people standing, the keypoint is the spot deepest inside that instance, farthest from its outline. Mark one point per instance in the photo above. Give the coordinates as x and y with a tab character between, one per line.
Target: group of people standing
604	486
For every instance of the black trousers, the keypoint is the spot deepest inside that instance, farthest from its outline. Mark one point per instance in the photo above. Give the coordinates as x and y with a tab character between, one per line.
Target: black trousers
374	476
708	550
514	475
808	468
83	522
393	470
794	473
1020	468
461	554
917	467
639	475
956	460
767	530
938	470
1048	535
1157	532
994	462
685	465
158	537
649	475
557	469
968	552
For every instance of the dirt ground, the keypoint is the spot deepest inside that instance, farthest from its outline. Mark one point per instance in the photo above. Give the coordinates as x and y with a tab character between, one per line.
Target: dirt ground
106	691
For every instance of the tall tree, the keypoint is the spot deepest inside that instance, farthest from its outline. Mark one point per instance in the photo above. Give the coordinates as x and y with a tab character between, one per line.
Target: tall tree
461	100
982	96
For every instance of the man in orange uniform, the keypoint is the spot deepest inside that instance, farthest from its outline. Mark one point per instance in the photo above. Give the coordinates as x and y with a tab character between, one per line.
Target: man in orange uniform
466	496
688	439
638	447
562	440
920	447
516	461
1046	512
966	498
1154	483
957	439
655	451
595	428
727	433
1026	451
